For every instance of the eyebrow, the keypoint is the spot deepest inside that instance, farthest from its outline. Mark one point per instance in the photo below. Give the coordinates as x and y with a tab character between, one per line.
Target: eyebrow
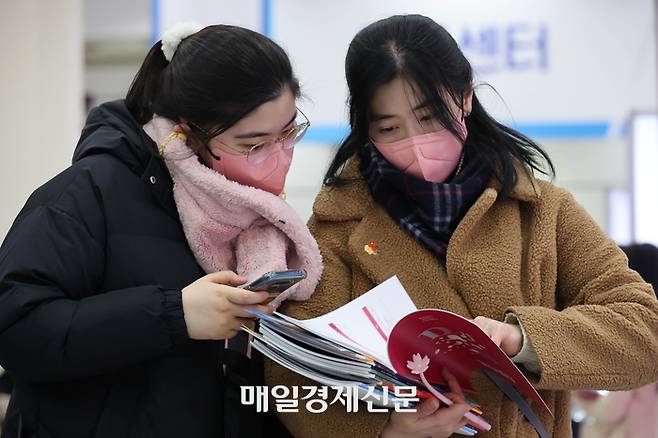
263	134
377	117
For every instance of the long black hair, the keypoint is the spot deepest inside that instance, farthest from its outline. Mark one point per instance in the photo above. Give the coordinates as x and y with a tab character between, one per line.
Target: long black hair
215	78
420	51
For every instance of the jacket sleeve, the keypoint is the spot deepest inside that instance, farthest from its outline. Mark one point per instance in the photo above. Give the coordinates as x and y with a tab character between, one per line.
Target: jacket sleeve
604	333
333	291
55	325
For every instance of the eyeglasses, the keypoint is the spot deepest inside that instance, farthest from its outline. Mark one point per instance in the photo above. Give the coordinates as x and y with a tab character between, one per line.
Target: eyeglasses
259	152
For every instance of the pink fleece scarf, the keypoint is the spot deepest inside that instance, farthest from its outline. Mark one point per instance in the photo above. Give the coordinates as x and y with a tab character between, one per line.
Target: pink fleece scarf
234	227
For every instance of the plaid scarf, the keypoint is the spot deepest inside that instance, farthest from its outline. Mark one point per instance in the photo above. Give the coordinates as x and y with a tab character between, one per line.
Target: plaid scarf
429	211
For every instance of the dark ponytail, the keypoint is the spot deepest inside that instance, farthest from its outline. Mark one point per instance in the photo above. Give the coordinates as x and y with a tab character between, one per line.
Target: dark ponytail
140	94
216	77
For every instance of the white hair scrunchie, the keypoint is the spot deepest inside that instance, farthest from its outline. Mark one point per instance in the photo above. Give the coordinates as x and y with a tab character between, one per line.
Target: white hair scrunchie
173	37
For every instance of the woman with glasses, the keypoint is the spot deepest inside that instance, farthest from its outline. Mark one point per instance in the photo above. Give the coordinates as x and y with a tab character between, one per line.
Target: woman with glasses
429	187
119	278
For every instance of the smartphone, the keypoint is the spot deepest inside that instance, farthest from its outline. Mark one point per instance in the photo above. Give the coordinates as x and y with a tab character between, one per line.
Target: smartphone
276	282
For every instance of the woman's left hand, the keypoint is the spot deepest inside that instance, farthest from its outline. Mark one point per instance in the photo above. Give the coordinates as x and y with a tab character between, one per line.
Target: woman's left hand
508	337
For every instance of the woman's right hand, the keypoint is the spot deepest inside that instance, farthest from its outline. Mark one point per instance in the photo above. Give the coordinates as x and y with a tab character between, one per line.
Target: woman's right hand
214	308
430	419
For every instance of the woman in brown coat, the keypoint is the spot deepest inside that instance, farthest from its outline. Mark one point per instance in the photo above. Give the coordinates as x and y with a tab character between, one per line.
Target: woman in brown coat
430	188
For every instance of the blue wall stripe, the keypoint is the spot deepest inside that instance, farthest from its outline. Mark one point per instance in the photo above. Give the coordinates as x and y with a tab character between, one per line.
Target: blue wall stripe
565	130
553	131
267	18
155	21
325	134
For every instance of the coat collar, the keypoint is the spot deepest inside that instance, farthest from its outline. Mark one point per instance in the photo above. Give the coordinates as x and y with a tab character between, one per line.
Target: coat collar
398	253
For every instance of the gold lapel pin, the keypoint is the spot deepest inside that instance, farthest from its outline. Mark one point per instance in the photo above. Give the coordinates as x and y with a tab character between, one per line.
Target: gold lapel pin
370	248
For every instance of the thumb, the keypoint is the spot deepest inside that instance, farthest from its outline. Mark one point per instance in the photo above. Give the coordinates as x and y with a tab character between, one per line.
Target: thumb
225	277
427	407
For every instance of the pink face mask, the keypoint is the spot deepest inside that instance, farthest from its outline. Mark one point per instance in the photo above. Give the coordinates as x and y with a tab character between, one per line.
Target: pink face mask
268	174
432	157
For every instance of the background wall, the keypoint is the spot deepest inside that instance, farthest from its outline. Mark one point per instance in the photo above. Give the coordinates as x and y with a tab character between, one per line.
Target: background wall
40	95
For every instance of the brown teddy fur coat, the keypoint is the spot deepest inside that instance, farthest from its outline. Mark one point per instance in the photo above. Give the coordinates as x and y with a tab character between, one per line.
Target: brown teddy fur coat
592	321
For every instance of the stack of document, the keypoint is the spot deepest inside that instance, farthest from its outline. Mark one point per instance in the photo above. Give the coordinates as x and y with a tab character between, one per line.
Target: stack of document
348	348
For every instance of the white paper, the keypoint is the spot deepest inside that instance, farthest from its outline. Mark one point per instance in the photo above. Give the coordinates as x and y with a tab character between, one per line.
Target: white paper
365	322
